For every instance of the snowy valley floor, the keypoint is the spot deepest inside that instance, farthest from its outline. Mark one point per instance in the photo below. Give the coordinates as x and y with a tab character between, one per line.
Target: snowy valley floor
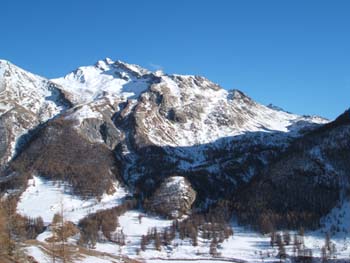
44	199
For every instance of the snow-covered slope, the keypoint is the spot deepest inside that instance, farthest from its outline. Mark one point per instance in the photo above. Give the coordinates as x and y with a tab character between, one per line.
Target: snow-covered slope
105	79
176	110
191	110
26	100
34	93
54	197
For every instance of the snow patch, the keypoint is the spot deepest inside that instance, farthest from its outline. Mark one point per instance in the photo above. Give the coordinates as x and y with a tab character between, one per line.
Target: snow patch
46	198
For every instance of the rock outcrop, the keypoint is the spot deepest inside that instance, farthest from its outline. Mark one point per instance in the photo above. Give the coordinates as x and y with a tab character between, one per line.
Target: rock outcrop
173	198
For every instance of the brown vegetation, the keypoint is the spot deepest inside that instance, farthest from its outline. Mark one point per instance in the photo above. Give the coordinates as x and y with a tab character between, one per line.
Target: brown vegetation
212	226
14	229
59	152
105	221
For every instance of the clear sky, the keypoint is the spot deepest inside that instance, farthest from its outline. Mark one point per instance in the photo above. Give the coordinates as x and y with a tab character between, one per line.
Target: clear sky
294	54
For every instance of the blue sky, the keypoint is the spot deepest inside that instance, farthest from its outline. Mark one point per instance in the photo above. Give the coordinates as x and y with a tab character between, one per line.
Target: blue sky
295	54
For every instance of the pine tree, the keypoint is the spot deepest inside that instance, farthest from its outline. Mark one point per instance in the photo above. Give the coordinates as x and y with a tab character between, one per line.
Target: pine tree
195	240
324	256
143	243
5	241
301	232
60	229
281	248
327	242
286	237
157	241
273	238
213	247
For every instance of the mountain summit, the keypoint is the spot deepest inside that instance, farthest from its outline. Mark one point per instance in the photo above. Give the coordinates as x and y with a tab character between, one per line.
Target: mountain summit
107	78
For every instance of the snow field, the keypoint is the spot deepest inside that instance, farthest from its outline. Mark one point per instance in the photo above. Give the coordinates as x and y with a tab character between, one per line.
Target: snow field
46	198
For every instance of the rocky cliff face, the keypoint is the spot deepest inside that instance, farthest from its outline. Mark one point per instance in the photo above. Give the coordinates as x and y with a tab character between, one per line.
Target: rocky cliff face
173	198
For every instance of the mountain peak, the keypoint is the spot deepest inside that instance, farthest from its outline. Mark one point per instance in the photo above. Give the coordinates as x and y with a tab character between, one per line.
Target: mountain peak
104	64
108	64
108	60
105	78
131	67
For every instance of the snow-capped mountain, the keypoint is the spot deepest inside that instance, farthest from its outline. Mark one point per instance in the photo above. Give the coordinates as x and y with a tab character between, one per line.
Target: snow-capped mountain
130	110
114	138
187	110
188	117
